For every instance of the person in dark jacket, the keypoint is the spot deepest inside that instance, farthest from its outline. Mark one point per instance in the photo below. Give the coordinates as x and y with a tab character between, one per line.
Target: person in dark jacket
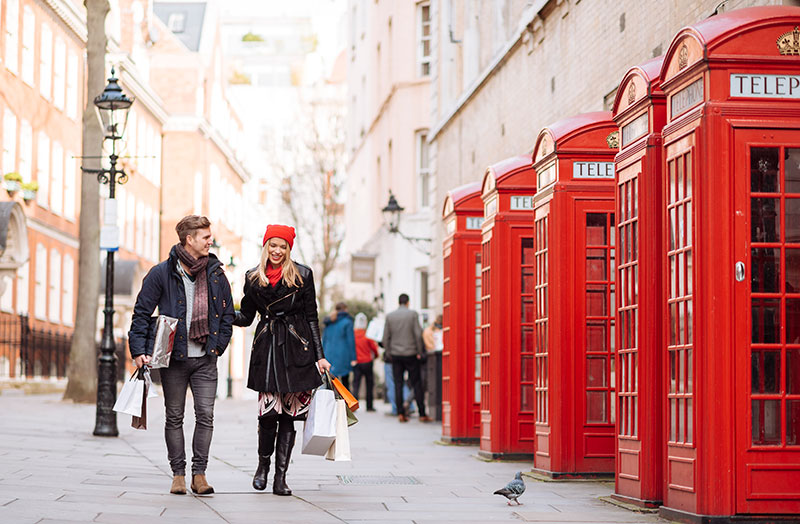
191	286
287	358
339	342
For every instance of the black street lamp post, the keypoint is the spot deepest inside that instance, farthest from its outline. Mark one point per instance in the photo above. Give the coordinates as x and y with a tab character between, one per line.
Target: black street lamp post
112	107
391	215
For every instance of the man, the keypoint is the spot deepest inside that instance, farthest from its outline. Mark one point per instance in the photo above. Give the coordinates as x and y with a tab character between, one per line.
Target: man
192	287
339	343
402	340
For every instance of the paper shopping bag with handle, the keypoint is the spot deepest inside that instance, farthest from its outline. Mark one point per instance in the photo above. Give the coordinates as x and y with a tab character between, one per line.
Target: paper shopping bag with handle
319	430
340	449
131	396
352	401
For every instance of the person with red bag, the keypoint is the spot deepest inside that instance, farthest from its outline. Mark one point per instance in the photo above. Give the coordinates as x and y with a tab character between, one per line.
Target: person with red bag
287	357
366	352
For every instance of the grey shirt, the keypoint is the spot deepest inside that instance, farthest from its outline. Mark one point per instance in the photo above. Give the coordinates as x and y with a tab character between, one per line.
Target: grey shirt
194	349
402	334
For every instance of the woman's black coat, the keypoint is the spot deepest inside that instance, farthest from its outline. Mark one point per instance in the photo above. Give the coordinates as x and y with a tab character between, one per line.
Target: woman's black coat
287	344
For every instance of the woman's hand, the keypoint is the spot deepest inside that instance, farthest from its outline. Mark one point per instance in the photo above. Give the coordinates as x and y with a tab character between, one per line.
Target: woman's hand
323	365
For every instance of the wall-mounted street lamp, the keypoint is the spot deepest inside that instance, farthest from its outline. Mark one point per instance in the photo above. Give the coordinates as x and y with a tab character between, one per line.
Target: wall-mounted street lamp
112	107
391	216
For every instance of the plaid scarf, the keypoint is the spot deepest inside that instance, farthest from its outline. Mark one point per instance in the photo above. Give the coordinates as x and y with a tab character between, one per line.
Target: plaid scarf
198	330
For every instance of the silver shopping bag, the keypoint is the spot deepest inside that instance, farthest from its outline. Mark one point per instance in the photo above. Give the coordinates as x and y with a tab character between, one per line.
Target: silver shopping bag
165	339
319	430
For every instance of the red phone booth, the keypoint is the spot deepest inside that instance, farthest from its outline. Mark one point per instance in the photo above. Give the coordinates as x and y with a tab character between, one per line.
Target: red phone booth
461	312
574	287
731	186
507	310
640	112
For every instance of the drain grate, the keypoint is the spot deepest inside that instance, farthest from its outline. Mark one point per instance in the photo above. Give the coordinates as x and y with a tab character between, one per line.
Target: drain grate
377	480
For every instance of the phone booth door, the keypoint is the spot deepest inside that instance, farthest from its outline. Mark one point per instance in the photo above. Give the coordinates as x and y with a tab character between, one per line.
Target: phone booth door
594	276
767	351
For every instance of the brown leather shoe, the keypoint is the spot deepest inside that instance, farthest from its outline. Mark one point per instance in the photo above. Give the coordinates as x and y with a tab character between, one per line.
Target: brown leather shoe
178	485
200	486
402	418
425	419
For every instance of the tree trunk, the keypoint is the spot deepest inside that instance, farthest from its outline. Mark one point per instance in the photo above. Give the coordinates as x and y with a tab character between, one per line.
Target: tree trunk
82	368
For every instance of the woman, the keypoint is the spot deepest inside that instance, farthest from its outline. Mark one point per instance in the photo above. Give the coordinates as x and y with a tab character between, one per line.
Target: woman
287	358
366	352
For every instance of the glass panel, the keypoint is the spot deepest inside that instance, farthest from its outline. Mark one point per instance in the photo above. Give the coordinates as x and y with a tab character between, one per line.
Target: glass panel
791	166
672	231
766	320
673	324
765	371
690	366
673	371
689	421
596	301
793	422
793	320
792	270
688	223
527	397
595	372
528	253
766	422
679	180
764	222
477	366
673	412
595	229
527	369
766	270
680	241
527	339
596	337
634	241
528	309
477	391
764	165
792	220
596	407
689	178
672	185
681	420
681	355
793	371
528	280
596	264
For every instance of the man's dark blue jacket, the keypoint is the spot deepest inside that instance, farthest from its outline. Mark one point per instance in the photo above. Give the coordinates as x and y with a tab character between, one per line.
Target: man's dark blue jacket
163	288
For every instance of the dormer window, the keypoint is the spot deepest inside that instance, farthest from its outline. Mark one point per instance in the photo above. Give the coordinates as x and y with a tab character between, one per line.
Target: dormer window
177	22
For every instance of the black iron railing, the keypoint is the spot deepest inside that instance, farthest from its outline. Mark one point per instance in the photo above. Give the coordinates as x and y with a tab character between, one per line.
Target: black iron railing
30	352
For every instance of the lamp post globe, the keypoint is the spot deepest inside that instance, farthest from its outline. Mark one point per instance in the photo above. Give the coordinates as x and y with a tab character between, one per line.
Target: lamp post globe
391	213
112	107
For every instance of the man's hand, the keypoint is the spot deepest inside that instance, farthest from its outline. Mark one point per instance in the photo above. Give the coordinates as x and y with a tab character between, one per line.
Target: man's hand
141	360
323	365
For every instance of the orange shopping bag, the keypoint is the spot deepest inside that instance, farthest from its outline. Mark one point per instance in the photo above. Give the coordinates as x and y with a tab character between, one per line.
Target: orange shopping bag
352	401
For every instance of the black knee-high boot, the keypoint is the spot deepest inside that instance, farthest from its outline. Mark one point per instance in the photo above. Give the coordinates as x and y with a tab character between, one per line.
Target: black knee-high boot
267	427
283	453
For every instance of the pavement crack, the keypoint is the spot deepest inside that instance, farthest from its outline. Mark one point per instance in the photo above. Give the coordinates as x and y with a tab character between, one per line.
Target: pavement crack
10	501
320	508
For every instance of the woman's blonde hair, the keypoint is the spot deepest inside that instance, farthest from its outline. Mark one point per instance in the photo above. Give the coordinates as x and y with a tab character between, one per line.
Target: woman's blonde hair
291	275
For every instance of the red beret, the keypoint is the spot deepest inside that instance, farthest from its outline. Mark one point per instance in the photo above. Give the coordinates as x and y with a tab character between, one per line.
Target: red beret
279	231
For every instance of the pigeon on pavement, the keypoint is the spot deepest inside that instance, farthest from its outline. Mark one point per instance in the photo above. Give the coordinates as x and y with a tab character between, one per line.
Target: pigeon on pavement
513	489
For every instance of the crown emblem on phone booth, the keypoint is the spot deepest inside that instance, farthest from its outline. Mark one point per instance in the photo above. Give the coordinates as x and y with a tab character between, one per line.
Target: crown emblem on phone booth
789	42
613	140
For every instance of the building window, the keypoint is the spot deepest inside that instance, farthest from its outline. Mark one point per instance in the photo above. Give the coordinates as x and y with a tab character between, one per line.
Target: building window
46	62
70	183
69	286
7	299
423	168
12	35
73	80
9	142
25	150
22	289
40	291
57	182
177	22
423	288
424	38
55	286
28	45
60	74
43	169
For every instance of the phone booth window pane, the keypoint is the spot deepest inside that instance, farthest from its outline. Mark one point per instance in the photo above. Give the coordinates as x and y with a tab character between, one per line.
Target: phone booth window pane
528	280
596	301
528	253
527	397
528	309
672	231
793	422
793	372
689	421
477	366
673	413
478	342
596	264
673	324
477	391
596	337
688	223
792	219
595	229
613	407
766	320
596	407
766	423
527	339
595	372
792	170
764	166
793	320
527	369
765	221
765	371
612	373
673	187
688	176
792	270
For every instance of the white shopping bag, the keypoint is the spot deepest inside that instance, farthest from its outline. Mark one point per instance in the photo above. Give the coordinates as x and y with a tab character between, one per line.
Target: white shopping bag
165	339
130	398
340	449
319	430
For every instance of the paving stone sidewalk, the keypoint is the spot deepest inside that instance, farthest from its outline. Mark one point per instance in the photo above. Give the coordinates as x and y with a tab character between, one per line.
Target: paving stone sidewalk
53	470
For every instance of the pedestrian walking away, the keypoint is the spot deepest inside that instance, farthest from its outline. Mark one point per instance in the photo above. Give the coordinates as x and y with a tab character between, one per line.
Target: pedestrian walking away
191	286
402	340
339	343
366	352
287	358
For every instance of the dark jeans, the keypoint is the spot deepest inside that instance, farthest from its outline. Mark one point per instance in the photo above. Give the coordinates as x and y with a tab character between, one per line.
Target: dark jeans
201	375
364	370
399	366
